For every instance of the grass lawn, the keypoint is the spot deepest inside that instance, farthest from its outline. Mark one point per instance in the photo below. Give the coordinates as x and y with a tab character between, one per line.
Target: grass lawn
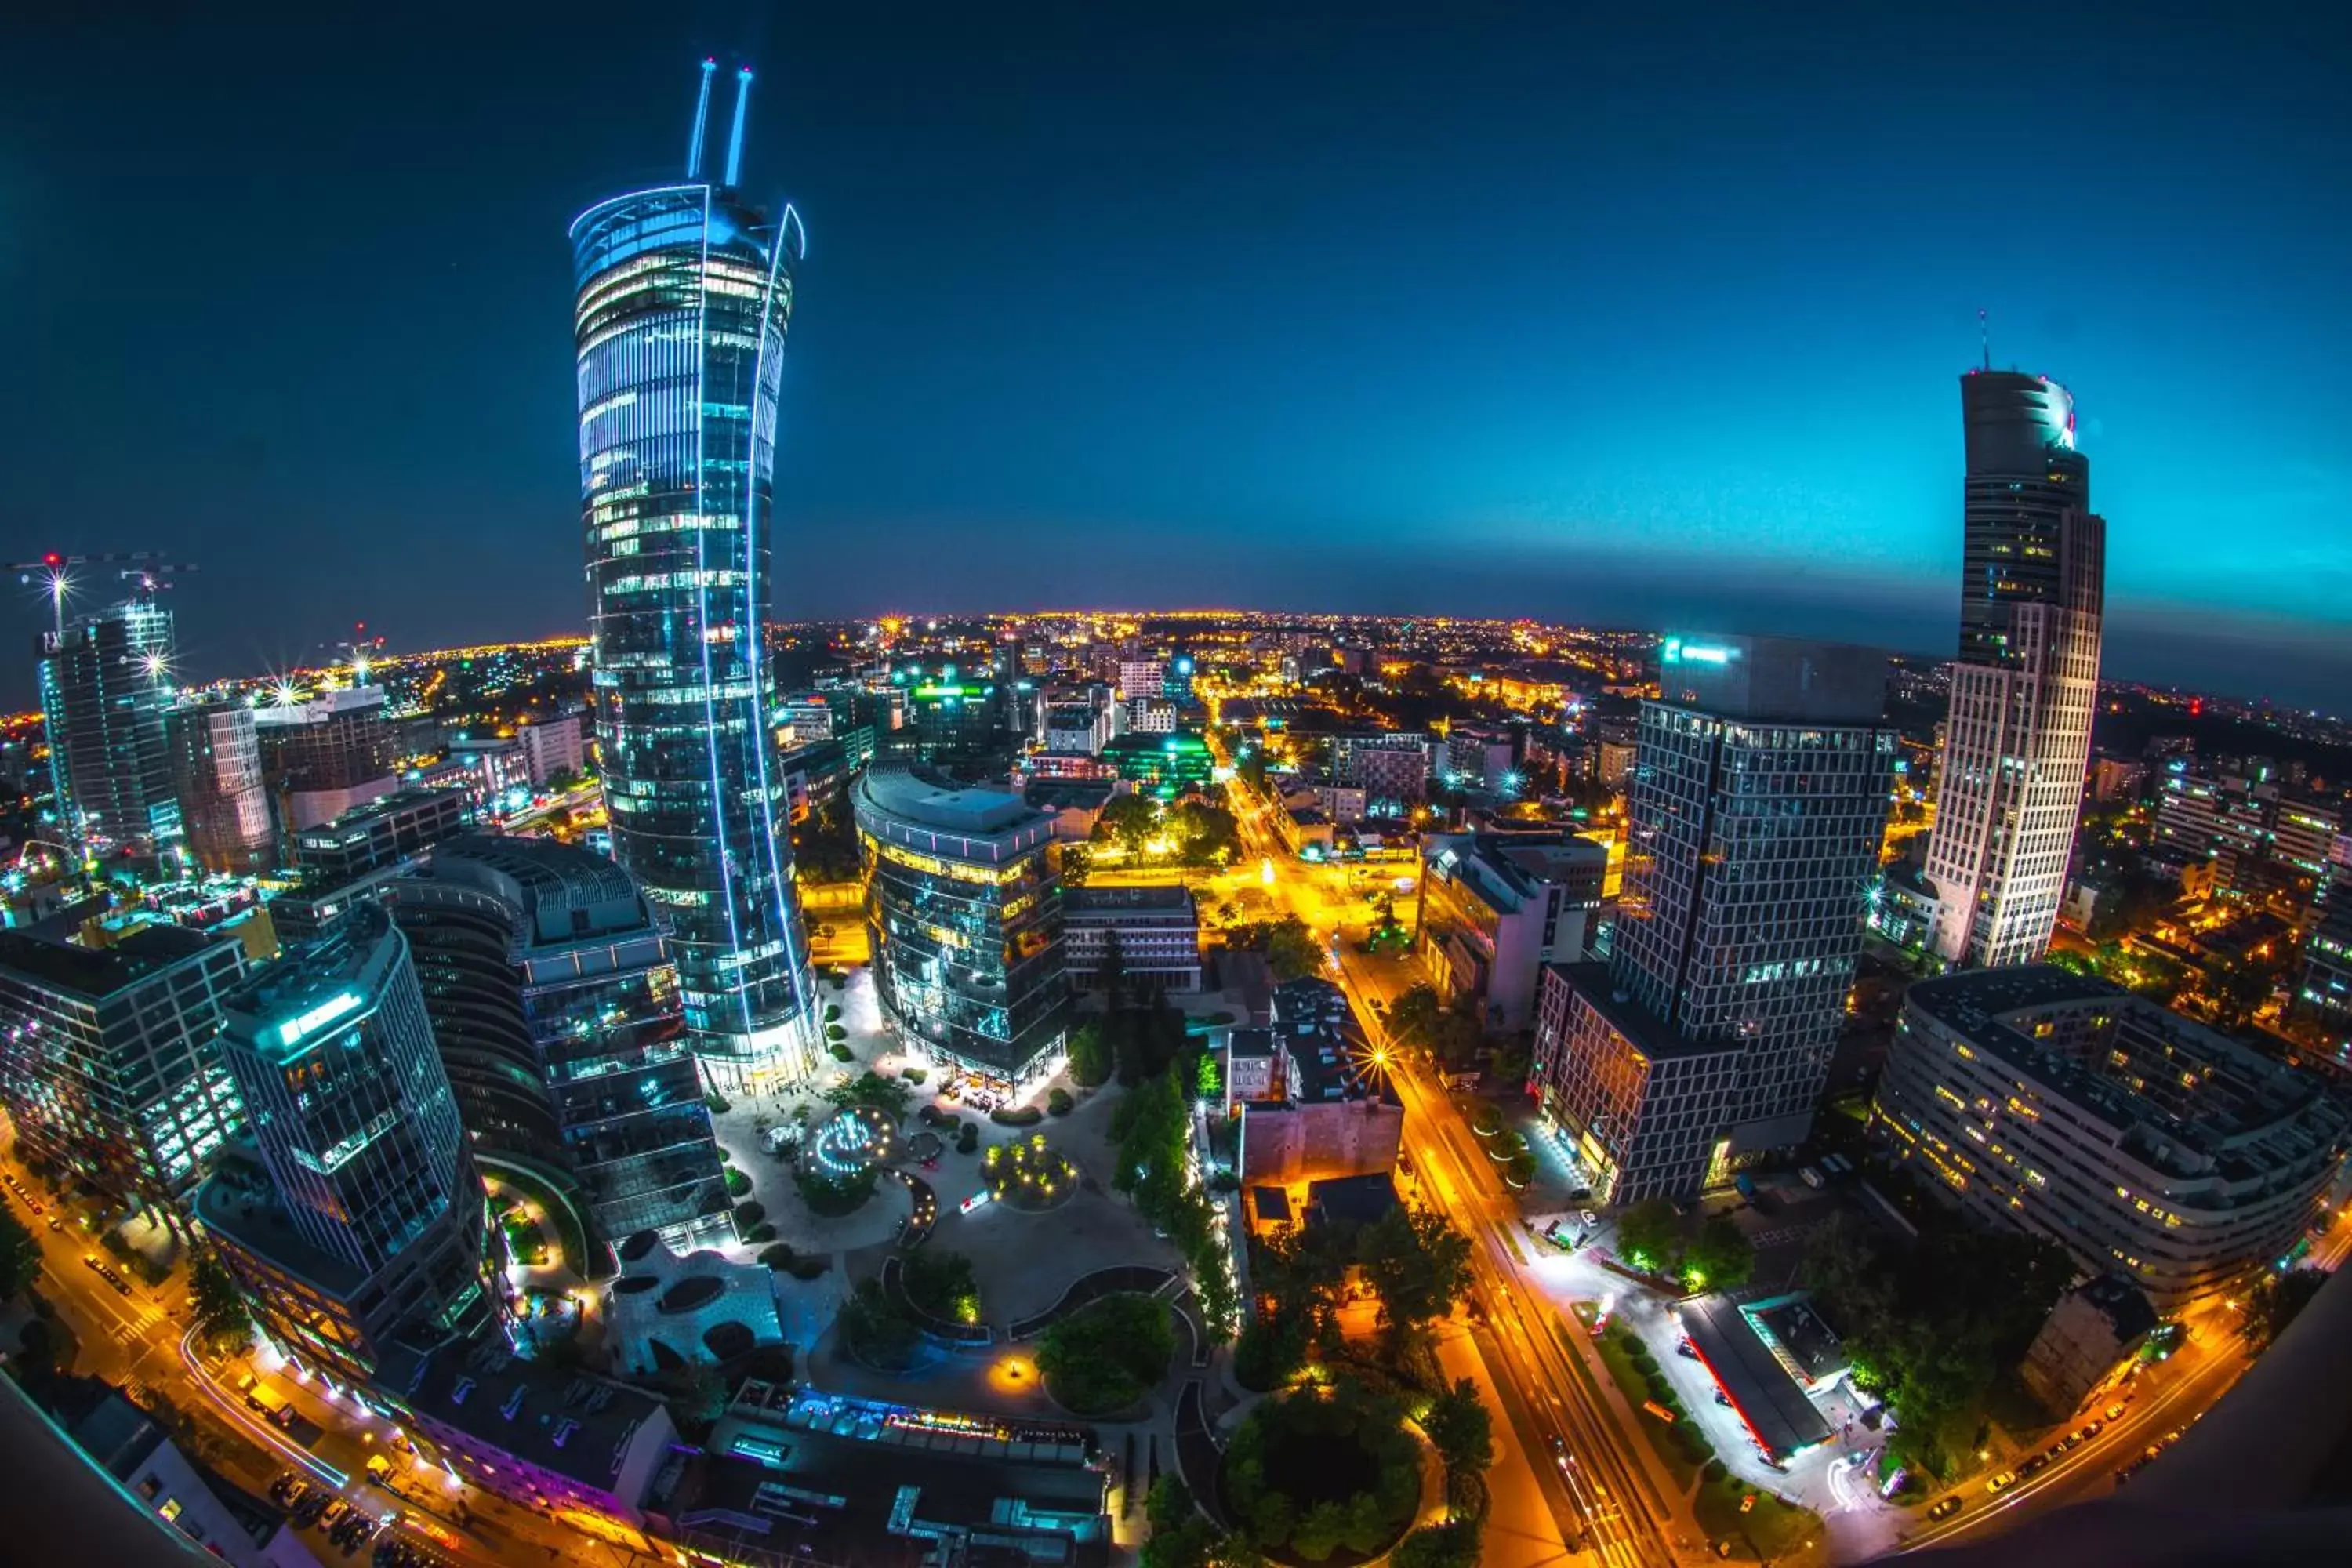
1772	1529
1636	1390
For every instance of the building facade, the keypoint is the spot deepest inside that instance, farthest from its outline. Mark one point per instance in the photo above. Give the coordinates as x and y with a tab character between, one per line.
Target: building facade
323	755
554	1005
1757	800
215	760
683	294
2017	742
108	1061
106	684
2149	1146
1156	932
1495	908
1166	765
963	912
352	1214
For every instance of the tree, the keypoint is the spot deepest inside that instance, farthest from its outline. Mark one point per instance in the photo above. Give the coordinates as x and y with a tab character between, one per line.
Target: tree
1451	1034
1459	1429
1130	821
1205	835
941	1284
217	1303
2275	1303
886	1095
1291	949
875	1330
1077	862
1646	1234
1090	1056
20	1256
1106	1355
1167	1504
1416	1263
1719	1258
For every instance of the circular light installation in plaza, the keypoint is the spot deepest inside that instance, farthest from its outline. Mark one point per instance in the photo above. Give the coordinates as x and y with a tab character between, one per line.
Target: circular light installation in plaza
1029	1176
851	1142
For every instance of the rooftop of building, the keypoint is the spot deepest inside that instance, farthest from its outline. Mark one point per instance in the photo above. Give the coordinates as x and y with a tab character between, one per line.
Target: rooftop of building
93	974
1645	1030
316	985
319	707
560	1421
1769	679
240	1203
2242	1096
361	819
921	800
1108	901
1512	869
1765	1398
1351	1200
1061	794
563	891
2124	1305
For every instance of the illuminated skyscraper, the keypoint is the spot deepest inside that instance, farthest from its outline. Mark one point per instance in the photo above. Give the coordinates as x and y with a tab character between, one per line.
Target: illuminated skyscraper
2016	742
684	290
106	683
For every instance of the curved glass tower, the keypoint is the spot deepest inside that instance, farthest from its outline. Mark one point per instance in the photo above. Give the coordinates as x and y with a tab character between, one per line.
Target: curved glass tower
684	292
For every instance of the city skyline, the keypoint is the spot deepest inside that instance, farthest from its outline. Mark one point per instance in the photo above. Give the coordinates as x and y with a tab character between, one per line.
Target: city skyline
1568	377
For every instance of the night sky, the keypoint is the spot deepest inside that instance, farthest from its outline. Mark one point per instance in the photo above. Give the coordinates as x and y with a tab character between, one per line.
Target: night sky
1574	312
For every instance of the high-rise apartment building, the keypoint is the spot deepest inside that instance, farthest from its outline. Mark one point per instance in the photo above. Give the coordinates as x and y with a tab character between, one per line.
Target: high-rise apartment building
109	1064
351	1214
2017	741
216	762
1758	795
684	290
106	684
963	908
555	1003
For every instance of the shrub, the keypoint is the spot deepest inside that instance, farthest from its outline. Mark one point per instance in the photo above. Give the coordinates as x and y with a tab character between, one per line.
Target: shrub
779	1257
1713	1469
967	1137
758	1233
751	1213
915	1075
1058	1103
1024	1116
835	1032
718	1103
840	1052
739	1185
833	1011
810	1268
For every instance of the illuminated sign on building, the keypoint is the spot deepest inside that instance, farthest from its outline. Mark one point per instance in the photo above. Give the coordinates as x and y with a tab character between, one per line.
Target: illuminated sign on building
295	1029
1677	651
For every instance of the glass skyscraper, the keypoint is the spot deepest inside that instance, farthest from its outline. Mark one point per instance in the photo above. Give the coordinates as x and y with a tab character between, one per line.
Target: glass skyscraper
106	684
2017	739
684	292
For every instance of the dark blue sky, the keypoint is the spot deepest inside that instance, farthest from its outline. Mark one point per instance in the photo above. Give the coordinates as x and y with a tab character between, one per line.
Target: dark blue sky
1616	314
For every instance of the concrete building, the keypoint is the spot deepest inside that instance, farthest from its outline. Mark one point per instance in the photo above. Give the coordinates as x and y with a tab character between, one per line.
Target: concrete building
498	762
2017	742
554	1005
323	755
2114	779
561	1442
351	1215
552	747
109	1066
1495	908
1156	930
218	1517
1312	1109
385	833
2084	1341
963	912
1075	728
215	761
1151	716
2323	994
2147	1145
1755	816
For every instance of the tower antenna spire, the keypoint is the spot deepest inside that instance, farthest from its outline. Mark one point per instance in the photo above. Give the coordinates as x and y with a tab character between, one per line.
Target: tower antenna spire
701	120
735	135
1984	331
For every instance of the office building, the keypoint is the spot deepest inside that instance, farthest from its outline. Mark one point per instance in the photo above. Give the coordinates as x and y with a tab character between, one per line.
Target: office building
2017	740
106	684
109	1064
499	767
1150	716
351	1212
379	836
554	1005
219	1517
215	761
2323	994
963	912
1758	800
2149	1146
1155	931
1142	677
1075	728
324	754
2235	818
684	292
1495	907
951	720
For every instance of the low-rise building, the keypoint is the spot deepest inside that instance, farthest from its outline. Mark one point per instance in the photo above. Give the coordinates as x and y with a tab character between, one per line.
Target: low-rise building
1313	1105
2085	1339
1495	907
220	1517
1306	831
2145	1144
575	1447
668	1309
1155	930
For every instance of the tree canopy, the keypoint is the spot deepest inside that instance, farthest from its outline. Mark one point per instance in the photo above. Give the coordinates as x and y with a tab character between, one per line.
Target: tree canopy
1108	1354
1130	821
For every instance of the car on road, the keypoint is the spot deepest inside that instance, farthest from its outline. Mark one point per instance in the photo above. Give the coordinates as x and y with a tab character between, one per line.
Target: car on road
2033	1465
1949	1507
1588	1217
2114	1411
2001	1482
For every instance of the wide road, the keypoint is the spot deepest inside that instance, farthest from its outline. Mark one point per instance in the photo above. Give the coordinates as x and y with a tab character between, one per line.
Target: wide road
1604	1496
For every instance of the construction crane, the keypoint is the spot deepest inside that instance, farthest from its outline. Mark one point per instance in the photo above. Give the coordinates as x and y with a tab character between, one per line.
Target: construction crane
54	574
